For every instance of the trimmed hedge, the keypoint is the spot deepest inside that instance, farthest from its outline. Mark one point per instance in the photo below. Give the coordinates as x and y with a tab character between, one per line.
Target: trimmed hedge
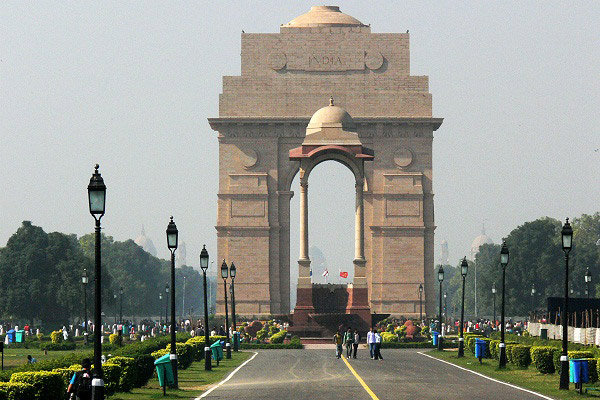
112	377
493	349
278	337
571	354
128	371
185	354
521	355
63	346
293	344
388	337
470	341
47	385
16	391
593	369
67	373
412	345
543	358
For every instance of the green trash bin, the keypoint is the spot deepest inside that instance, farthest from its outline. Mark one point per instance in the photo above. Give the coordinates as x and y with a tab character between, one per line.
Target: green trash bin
164	370
20	336
217	351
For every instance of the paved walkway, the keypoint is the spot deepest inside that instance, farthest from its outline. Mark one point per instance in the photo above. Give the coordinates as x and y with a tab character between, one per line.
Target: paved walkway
317	374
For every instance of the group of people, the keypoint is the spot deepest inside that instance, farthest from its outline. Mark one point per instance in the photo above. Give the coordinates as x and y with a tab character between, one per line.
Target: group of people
351	340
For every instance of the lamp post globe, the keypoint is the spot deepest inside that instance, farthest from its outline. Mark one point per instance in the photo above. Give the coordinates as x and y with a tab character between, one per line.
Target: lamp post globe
224	275
504	256
84	282
567	244
172	239
420	301
440	280
464	268
588	280
232	273
204	267
97	205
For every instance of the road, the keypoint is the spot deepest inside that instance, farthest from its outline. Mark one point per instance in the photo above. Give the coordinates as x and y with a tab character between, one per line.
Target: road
317	374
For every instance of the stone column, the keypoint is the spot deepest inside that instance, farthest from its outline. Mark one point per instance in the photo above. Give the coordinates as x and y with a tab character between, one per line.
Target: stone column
304	260
360	270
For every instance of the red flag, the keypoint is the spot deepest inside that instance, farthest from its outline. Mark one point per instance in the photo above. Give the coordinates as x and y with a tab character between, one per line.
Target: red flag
343	274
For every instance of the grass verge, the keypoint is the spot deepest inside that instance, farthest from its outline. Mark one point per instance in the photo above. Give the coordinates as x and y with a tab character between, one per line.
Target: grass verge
528	378
192	381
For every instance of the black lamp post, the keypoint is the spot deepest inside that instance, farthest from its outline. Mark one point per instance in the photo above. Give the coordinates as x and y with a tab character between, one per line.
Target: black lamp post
588	280
440	279
494	290
464	267
504	255
160	316
567	243
172	237
533	292
121	306
97	203
115	298
446	309
420	301
84	281
232	272
224	274
167	303
183	300
204	267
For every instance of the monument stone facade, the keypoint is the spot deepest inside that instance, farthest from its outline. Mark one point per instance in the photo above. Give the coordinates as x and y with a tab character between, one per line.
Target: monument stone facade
263	114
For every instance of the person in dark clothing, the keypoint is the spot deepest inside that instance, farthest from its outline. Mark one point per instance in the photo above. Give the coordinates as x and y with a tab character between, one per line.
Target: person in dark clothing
355	343
80	386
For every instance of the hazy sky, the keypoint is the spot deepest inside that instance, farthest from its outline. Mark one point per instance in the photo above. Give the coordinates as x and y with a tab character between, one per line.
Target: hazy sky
130	85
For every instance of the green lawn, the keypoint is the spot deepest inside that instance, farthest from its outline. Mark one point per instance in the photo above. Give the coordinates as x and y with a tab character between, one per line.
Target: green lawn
18	357
526	378
192	381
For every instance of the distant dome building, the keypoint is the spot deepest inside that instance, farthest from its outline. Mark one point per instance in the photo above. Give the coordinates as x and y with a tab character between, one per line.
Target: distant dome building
478	241
145	243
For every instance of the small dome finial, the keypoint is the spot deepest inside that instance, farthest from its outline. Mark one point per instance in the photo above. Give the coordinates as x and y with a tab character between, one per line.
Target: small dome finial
96	167
331	101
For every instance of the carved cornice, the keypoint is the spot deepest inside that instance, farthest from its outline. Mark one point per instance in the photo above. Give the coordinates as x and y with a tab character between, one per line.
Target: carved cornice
267	127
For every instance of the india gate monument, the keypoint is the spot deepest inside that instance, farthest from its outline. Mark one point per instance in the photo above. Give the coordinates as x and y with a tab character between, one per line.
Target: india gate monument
326	89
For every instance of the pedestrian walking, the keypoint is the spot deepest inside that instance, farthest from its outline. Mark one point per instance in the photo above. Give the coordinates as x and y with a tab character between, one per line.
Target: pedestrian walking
355	343
337	339
371	342
80	386
348	340
378	346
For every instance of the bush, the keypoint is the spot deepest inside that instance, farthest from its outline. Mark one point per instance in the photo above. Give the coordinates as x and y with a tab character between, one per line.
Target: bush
63	346
278	337
273	330
388	337
128	371
543	358
425	331
261	334
40	336
56	336
593	369
113	339
494	351
67	373
47	385
16	391
509	347
521	356
253	328
144	369
185	354
408	345
112	377
390	328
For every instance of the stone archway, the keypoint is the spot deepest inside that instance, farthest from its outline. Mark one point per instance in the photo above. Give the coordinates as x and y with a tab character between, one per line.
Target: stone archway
331	135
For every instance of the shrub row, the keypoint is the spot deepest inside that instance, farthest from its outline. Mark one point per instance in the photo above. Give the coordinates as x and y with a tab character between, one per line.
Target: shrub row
293	344
62	346
16	391
409	345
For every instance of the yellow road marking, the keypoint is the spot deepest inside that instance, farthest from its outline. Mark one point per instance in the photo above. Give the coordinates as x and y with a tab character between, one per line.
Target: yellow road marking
364	385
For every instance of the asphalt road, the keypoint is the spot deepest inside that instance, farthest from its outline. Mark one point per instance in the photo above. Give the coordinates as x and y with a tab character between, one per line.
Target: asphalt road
317	374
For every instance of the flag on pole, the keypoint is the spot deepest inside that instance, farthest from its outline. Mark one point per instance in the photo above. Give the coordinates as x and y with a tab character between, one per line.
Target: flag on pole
343	274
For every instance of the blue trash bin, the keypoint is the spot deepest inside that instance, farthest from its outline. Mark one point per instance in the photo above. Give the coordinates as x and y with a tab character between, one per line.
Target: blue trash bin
578	371
435	337
11	336
480	349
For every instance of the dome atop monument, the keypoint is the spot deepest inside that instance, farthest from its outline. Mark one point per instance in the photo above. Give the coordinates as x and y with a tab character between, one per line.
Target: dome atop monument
324	16
331	116
479	241
331	125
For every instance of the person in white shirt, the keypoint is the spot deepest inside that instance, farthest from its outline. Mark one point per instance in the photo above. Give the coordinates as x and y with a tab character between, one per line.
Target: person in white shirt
378	346
371	342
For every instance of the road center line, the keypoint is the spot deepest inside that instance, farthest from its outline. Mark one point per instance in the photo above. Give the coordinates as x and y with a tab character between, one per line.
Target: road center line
487	377
226	379
360	380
